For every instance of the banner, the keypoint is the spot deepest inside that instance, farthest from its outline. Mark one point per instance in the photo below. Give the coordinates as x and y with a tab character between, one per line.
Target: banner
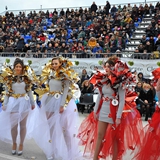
144	66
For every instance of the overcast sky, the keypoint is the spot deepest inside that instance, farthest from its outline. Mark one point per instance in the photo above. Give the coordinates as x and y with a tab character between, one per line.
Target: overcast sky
36	4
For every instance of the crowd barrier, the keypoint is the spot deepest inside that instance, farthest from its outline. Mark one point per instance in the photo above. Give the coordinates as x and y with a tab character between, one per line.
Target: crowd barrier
154	55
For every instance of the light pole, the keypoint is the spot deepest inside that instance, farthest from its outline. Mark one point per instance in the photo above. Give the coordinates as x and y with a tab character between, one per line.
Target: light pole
41	7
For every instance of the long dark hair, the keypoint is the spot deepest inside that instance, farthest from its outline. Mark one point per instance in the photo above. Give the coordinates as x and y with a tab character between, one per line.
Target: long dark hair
111	61
18	61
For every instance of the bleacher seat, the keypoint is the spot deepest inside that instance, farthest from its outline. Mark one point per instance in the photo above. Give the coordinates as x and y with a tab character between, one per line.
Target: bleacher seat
49	20
51	36
147	38
155	39
69	31
49	24
139	20
136	24
27	37
44	28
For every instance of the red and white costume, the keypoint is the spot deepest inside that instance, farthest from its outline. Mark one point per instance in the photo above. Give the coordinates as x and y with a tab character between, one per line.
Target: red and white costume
128	132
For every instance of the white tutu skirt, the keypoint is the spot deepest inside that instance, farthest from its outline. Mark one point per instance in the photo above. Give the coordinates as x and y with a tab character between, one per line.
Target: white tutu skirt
16	111
69	123
55	133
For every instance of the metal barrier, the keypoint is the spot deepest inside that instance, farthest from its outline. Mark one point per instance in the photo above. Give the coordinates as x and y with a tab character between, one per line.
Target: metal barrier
154	55
76	7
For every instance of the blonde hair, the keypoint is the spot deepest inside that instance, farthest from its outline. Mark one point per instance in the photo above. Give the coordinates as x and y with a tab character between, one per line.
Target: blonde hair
146	85
83	84
57	58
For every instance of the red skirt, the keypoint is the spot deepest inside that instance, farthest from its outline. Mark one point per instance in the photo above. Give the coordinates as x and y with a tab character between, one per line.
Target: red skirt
127	134
151	142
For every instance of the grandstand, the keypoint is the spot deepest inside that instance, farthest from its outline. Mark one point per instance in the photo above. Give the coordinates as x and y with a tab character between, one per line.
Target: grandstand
115	29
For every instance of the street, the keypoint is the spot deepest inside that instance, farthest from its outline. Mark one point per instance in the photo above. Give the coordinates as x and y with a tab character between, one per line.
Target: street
33	152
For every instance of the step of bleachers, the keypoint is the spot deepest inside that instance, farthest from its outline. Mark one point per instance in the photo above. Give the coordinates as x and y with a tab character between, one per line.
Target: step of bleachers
135	38
147	19
133	43
143	25
137	35
141	28
130	49
139	32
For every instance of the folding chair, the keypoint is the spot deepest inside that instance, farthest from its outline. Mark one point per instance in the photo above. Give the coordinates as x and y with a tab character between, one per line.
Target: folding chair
86	102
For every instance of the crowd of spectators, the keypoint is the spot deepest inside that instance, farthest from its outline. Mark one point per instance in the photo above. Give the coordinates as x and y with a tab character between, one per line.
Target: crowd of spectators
150	42
147	97
146	93
68	32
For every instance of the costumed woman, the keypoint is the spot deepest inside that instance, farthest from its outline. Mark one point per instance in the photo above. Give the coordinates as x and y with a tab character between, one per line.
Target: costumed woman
150	148
55	129
17	105
115	124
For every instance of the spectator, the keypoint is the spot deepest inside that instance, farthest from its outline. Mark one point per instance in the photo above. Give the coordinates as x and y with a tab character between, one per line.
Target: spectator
64	50
138	87
87	87
129	8
141	78
50	48
146	9
43	48
148	47
157	45
80	50
107	7
1	48
84	76
113	10
149	31
120	43
128	19
146	99
56	49
20	44
26	48
140	48
1	34
62	13
143	40
97	51
94	7
74	50
113	44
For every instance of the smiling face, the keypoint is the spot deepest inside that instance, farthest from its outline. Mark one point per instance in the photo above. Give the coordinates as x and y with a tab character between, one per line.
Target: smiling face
18	69
56	64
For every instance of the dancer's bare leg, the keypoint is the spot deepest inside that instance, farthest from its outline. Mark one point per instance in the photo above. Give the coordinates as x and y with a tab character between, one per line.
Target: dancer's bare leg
102	127
49	115
115	149
14	131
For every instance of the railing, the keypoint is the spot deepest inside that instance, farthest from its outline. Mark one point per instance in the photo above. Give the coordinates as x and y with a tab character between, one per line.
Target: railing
146	56
77	7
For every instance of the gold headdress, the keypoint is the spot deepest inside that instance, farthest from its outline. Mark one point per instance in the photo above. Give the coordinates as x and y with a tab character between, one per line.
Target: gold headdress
63	73
7	77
